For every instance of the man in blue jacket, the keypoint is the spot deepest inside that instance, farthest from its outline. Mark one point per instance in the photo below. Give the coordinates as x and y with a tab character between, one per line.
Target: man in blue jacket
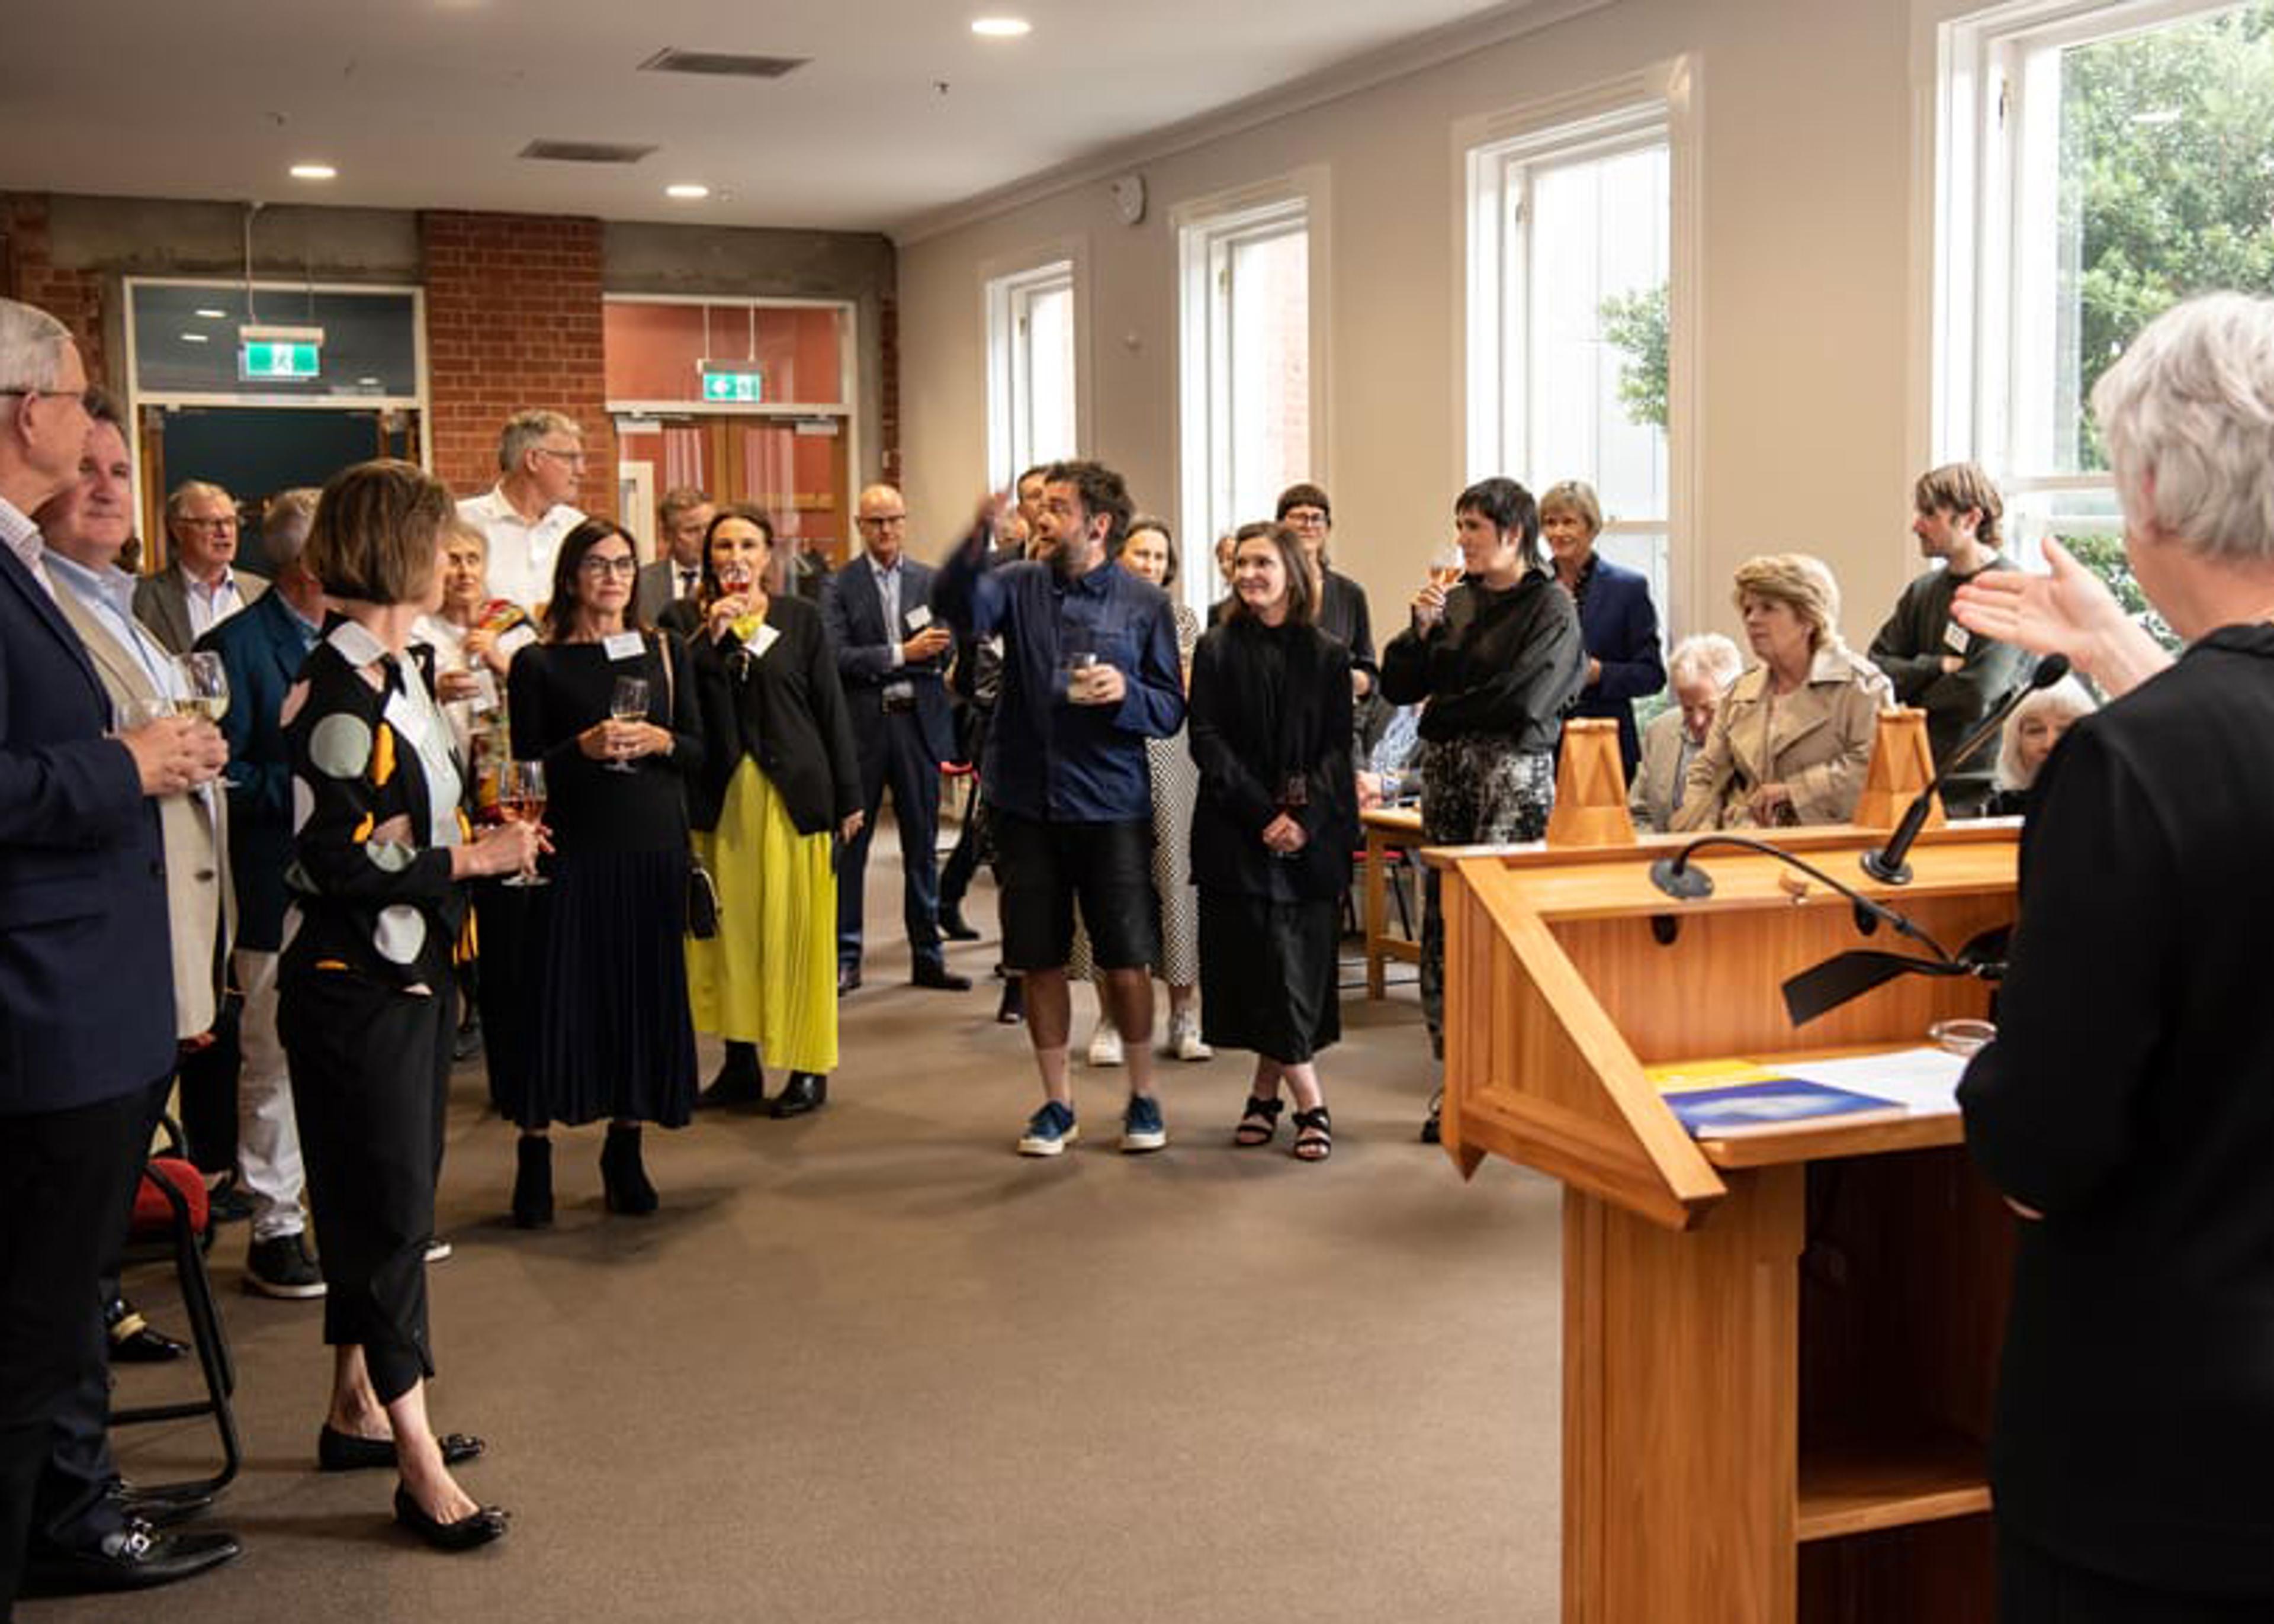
86	1001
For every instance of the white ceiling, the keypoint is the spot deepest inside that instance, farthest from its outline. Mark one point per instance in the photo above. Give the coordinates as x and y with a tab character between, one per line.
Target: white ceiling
424	102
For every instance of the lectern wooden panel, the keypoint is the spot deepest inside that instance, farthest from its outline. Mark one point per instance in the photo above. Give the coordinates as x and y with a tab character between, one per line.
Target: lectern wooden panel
1778	1352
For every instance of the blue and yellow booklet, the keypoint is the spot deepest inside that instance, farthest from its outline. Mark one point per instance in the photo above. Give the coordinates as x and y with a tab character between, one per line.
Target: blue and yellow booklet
1729	1100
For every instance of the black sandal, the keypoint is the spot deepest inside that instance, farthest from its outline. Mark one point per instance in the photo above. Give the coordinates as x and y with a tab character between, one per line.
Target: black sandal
1258	1121
1314	1135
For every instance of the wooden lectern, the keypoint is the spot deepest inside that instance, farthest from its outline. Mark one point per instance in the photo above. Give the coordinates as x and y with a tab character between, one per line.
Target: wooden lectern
1779	1352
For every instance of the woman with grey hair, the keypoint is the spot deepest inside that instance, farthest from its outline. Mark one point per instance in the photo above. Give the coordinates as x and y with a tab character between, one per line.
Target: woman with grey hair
1700	669
2027	742
2124	1108
1791	742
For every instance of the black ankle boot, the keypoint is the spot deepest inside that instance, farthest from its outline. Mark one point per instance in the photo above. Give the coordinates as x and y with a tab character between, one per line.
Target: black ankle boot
623	1180
532	1183
1013	1009
740	1082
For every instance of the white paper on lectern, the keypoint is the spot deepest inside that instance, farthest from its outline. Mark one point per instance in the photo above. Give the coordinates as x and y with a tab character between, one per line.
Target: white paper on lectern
1924	1080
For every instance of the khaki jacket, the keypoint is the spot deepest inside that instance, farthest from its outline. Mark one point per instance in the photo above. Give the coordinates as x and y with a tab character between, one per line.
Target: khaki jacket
200	903
1816	740
1651	801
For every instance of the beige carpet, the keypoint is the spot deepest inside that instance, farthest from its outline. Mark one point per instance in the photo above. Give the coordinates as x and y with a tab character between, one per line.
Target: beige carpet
872	1366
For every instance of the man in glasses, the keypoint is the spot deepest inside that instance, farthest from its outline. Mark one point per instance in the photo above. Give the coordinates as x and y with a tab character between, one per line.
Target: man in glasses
525	515
199	589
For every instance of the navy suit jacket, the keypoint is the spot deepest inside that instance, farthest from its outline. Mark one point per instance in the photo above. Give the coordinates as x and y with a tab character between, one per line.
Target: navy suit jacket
1620	629
263	648
863	644
87	977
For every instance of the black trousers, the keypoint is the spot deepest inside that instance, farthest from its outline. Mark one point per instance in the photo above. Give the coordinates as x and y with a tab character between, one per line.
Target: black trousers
208	1078
2034	1587
65	1180
913	772
963	863
371	1075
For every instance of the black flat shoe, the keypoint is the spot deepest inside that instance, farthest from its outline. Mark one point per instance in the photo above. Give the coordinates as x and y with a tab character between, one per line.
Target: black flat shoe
475	1528
806	1091
939	977
338	1451
954	926
146	1345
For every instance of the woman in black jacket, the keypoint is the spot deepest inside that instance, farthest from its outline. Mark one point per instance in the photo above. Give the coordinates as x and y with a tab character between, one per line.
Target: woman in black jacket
1273	831
780	779
1498	656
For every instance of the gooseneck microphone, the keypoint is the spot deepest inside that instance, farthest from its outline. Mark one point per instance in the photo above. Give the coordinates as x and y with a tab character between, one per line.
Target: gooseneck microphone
1887	864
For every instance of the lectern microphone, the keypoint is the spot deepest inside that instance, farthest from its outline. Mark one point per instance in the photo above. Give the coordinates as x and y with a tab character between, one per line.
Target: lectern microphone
1887	864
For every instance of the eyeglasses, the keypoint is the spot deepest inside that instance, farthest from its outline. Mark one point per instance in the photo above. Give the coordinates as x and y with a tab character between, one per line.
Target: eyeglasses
1304	518
626	566
880	520
227	522
574	458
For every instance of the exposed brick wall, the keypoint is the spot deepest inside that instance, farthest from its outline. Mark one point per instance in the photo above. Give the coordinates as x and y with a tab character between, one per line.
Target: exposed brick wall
513	322
71	296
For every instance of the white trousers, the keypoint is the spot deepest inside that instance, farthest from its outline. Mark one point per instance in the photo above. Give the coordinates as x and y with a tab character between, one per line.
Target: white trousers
267	1136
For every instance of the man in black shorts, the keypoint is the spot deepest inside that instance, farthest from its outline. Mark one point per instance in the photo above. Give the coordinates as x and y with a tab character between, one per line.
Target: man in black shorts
1090	674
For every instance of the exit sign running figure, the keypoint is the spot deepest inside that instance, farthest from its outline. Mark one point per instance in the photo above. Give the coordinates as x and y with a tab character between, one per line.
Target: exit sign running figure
741	387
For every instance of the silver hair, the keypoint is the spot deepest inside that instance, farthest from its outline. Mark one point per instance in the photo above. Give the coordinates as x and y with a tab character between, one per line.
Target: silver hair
2068	697
525	430
31	346
2188	414
284	524
1706	654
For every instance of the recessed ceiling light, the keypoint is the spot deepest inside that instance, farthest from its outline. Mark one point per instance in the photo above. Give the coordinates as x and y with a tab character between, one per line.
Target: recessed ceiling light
212	315
196	338
691	191
314	171
1001	27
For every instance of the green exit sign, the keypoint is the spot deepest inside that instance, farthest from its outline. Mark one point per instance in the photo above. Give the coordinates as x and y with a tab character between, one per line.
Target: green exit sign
269	359
744	387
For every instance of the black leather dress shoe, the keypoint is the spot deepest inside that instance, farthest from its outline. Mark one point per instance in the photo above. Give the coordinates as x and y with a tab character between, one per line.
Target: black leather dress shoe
134	1558
954	926
806	1091
338	1451
145	1344
475	1528
159	1510
939	977
848	980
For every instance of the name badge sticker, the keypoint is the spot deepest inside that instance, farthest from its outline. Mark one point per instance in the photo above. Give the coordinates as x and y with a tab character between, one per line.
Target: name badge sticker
918	617
624	646
1956	638
759	640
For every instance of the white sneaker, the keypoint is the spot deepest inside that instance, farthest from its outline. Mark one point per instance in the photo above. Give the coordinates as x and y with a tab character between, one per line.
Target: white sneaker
1104	1044
1185	1039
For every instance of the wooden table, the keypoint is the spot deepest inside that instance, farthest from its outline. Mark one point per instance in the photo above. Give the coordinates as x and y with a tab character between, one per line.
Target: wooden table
1387	828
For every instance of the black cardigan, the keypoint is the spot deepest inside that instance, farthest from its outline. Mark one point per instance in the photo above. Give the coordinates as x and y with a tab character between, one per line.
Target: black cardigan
786	710
1502	664
1268	702
2130	1098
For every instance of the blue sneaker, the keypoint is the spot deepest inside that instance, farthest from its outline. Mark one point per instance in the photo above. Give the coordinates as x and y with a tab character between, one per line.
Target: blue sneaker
1142	1127
1048	1131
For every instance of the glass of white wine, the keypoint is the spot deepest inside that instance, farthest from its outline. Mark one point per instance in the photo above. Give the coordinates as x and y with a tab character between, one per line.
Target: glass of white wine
521	800
628	704
203	689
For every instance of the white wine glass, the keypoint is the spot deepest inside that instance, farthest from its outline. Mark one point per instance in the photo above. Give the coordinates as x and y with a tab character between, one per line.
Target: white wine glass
521	800
203	690
629	704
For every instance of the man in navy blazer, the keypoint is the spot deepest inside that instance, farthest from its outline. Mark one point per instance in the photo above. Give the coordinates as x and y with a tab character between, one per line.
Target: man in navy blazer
891	656
87	1002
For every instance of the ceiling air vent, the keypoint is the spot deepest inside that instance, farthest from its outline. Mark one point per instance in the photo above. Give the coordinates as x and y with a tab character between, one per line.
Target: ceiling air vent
584	152
724	63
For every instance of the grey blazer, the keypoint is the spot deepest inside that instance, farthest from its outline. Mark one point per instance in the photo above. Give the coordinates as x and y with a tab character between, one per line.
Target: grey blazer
657	590
162	602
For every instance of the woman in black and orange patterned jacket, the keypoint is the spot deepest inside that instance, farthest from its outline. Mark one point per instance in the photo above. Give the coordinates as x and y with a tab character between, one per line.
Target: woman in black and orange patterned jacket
364	988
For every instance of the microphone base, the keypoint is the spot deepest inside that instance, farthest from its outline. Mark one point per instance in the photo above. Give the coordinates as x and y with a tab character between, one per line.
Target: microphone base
1875	864
1681	881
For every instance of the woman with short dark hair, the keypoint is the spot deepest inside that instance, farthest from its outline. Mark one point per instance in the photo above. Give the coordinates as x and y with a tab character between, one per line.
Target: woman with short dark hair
1495	649
1273	831
609	939
365	988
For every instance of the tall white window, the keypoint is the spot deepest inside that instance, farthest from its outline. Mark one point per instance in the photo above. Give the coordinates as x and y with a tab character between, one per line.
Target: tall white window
1246	383
2098	163
1031	415
1569	269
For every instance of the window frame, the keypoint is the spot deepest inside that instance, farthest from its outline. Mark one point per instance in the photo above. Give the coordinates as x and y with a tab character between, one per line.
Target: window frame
1208	229
1007	287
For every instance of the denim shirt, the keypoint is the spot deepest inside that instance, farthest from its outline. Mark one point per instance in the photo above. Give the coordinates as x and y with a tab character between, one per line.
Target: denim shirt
1047	758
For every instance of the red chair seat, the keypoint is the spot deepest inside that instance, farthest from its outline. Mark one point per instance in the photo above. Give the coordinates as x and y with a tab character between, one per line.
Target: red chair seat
154	1214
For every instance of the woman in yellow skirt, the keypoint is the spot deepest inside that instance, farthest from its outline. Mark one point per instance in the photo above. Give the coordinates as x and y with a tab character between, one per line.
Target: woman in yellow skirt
780	783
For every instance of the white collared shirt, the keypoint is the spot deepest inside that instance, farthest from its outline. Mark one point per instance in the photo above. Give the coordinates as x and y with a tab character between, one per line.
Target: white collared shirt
411	711
211	604
24	540
521	553
109	595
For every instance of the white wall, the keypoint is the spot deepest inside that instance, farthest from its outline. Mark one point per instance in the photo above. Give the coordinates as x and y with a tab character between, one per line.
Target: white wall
1806	430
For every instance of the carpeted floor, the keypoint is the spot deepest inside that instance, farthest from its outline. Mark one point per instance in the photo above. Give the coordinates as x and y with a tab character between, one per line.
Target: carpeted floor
872	1367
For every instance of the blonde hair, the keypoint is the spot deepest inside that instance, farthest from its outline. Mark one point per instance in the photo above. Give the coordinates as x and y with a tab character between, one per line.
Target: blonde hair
1576	496
1795	579
2066	698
